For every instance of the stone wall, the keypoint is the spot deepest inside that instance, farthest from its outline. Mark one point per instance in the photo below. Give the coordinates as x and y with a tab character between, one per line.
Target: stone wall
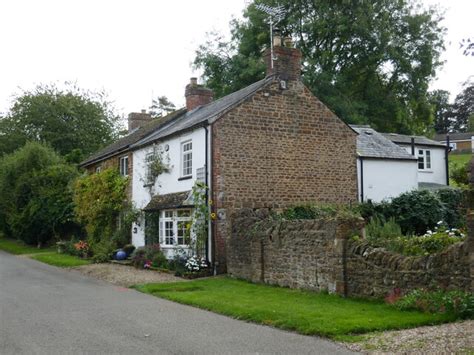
375	272
320	255
277	149
299	254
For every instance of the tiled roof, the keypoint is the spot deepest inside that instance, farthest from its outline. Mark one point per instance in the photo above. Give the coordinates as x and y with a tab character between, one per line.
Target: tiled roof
372	144
406	139
173	200
125	142
209	112
454	136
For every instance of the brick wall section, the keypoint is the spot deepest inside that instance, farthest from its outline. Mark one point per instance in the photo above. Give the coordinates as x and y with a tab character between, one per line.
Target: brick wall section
319	255
279	148
113	162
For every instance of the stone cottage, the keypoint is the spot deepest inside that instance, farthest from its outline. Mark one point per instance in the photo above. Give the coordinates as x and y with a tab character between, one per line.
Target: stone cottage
271	145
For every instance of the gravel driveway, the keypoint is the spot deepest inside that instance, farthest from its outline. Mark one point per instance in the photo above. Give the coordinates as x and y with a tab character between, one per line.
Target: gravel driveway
124	275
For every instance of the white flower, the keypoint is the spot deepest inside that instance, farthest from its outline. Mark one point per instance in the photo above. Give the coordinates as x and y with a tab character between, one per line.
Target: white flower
429	232
439	222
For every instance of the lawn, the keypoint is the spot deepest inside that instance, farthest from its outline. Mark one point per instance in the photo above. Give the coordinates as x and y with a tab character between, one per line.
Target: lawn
304	311
460	158
61	260
16	247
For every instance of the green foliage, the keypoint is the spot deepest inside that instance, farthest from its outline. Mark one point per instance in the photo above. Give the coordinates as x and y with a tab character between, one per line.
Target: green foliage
442	110
147	255
318	211
303	311
419	210
36	203
74	122
463	107
379	232
129	249
161	106
99	199
356	57
459	174
459	303
201	216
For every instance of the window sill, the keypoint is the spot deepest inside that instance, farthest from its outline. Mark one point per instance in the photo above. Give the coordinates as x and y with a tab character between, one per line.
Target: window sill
425	171
185	178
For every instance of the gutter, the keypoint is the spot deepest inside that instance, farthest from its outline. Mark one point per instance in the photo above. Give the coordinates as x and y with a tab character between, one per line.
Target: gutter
361	159
206	181
446	154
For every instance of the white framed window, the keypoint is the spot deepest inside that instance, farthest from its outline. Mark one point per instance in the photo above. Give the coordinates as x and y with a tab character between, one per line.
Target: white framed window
124	165
424	159
186	159
174	229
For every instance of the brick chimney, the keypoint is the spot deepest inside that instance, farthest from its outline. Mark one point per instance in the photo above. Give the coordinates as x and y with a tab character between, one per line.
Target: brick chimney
197	95
287	60
138	119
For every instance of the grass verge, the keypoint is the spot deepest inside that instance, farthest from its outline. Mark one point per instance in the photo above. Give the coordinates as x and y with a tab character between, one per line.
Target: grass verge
460	158
304	311
16	247
61	260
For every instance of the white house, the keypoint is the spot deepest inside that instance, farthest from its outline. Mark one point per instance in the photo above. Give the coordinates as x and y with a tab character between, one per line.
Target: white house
384	170
432	158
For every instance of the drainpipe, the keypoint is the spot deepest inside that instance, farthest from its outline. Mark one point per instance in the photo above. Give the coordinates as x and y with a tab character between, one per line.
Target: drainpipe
361	179
413	146
206	181
446	153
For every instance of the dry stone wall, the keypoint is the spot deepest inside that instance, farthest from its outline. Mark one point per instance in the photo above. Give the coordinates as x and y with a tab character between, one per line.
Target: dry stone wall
320	255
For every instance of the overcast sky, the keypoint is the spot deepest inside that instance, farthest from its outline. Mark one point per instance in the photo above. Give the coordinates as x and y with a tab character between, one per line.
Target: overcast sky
136	49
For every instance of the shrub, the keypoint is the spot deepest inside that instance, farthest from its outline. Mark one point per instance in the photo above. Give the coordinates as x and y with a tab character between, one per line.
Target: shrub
379	232
102	251
36	199
458	303
128	249
459	173
454	209
145	255
159	260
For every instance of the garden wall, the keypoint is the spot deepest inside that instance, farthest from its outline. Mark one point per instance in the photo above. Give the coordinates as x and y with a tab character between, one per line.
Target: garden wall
320	255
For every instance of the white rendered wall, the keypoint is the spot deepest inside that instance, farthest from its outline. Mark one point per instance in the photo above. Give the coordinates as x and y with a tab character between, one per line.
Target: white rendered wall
167	182
437	173
385	178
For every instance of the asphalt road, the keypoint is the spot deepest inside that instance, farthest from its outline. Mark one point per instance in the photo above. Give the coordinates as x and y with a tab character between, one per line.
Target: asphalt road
47	310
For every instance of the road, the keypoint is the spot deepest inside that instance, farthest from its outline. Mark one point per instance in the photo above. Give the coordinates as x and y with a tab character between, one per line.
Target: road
47	310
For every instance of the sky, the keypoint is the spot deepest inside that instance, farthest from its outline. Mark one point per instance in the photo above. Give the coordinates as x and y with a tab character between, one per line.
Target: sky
139	49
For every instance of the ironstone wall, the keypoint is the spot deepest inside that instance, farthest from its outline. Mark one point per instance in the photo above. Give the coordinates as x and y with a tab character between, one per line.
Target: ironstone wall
320	255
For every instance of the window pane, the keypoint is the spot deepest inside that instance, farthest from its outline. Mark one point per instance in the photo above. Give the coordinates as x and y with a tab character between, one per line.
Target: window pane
421	163
168	214
181	238
428	160
169	240
184	213
420	152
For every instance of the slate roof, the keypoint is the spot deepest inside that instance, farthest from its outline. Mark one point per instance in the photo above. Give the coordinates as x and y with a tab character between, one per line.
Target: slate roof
454	136
125	142
406	139
173	200
209	113
372	144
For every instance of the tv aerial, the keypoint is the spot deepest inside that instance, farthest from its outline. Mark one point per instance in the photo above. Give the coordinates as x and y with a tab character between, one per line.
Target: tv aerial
275	15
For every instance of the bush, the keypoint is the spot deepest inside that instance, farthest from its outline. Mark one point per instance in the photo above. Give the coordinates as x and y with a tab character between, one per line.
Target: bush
418	211
379	232
458	303
102	251
36	199
459	173
129	249
145	255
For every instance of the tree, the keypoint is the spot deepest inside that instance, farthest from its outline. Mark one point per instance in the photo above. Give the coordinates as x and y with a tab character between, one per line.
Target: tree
71	121
442	111
463	107
369	61
36	203
161	106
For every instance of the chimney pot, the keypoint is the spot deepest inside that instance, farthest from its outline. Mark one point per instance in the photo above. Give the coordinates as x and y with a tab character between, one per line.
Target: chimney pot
143	111
194	81
288	42
276	40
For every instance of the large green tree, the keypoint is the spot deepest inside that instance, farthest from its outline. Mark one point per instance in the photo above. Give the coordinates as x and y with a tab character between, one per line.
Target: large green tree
72	121
442	111
369	61
463	107
36	194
